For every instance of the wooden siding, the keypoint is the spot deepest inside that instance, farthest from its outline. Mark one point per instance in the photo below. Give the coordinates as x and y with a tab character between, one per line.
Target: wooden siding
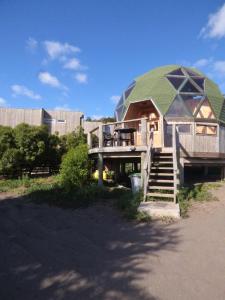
62	122
12	117
222	139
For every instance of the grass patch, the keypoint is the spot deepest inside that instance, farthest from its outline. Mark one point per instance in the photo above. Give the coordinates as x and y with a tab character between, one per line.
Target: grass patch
25	184
196	193
50	191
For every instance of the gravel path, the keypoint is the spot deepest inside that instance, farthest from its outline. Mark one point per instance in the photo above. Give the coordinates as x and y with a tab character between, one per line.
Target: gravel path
49	253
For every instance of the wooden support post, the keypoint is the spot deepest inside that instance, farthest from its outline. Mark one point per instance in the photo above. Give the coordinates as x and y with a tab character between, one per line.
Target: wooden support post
123	168
143	171
206	170
117	169
100	136
100	169
144	131
135	167
222	173
181	172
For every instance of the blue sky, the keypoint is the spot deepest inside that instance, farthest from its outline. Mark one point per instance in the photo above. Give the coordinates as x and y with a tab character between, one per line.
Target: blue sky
81	55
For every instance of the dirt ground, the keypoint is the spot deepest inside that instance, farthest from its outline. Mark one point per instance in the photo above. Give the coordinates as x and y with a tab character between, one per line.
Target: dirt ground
50	253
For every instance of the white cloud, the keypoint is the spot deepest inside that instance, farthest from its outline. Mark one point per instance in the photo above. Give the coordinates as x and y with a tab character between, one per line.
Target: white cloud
203	62
215	28
31	44
64	107
21	90
115	99
219	66
73	64
49	79
56	49
96	117
81	77
3	102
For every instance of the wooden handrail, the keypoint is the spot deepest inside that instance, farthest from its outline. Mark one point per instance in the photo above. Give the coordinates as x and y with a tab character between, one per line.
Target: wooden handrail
96	128
126	121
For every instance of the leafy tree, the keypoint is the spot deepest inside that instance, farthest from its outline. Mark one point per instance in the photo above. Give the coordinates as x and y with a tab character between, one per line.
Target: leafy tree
7	139
73	139
75	167
10	163
31	142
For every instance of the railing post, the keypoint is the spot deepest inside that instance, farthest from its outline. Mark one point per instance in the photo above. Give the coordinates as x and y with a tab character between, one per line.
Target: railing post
89	140
144	131
174	145
100	169
100	136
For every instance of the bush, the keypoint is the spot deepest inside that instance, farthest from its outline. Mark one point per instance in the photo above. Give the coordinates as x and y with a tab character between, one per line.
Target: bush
74	171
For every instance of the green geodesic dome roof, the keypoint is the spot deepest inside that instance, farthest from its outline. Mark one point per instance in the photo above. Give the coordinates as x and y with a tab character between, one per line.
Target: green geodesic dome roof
177	91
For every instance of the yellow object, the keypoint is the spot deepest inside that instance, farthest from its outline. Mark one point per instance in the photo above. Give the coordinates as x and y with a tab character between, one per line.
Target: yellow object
95	175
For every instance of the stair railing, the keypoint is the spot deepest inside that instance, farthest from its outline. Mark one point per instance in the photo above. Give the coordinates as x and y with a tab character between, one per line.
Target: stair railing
148	163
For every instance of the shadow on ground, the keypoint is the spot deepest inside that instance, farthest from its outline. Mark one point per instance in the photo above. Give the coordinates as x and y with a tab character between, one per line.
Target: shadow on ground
50	253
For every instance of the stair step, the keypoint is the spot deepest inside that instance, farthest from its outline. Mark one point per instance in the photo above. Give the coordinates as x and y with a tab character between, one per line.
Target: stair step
161	168
158	163
161	174
162	156
161	180
160	195
157	187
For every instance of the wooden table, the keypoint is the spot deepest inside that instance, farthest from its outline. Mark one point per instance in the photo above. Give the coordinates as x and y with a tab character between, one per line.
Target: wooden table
121	140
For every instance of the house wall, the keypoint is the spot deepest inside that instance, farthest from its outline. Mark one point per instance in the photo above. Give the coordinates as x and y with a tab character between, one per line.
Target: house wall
90	125
12	117
62	122
202	143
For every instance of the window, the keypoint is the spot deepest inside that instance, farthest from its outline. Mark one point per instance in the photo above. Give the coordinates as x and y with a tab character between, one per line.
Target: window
128	91
205	111
177	72
119	113
49	121
199	81
206	129
192	101
176	81
189	88
154	126
191	73
61	121
178	109
184	128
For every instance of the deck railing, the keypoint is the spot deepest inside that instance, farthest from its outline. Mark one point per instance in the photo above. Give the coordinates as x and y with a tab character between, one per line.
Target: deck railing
110	135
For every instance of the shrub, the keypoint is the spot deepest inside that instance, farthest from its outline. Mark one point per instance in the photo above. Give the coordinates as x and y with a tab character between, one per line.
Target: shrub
74	171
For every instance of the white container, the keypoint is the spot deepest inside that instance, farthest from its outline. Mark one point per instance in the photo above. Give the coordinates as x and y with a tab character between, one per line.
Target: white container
135	182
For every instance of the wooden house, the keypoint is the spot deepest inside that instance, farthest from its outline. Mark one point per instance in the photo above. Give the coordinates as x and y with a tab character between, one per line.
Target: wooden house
168	119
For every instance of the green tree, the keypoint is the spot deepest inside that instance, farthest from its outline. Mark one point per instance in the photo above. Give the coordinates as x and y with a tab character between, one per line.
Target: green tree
31	142
73	139
10	163
75	167
7	139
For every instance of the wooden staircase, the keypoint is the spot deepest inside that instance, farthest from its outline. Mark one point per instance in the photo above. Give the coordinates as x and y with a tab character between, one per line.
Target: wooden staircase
162	181
161	172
